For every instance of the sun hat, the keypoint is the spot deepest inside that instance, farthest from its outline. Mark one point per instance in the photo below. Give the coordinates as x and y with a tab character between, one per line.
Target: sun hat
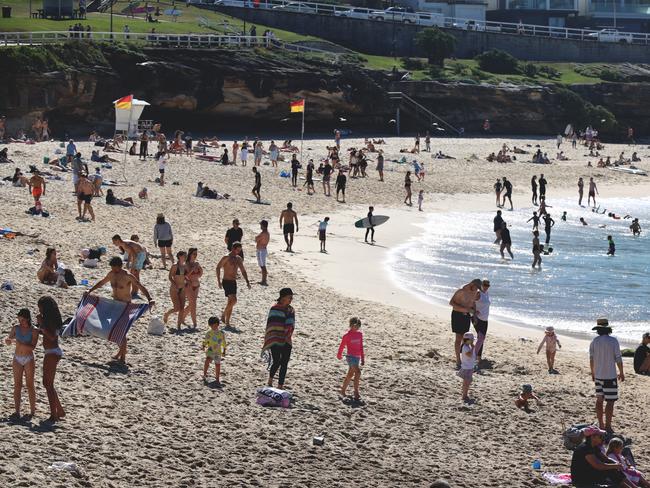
468	335
601	323
592	430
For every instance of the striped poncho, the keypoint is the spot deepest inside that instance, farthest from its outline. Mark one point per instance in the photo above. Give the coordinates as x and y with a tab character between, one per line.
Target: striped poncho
279	326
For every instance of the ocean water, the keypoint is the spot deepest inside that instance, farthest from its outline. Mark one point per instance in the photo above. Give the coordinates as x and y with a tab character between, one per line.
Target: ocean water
578	282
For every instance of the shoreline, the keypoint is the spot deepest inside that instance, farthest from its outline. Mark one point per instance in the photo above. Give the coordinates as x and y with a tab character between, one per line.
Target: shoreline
367	281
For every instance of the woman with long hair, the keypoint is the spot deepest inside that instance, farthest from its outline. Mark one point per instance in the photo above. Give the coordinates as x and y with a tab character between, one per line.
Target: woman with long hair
177	289
47	272
25	337
50	325
193	275
163	238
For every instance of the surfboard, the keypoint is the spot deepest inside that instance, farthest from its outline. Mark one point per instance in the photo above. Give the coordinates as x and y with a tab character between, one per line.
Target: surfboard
632	171
263	202
376	220
568	129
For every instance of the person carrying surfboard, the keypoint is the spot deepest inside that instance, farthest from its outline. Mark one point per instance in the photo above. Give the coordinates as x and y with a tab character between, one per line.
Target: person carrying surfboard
371	227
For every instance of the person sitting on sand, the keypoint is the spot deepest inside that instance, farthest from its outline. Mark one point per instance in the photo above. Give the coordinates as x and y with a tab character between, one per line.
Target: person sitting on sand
58	164
143	194
523	399
561	156
4	156
552	343
642	356
111	145
352	342
590	466
615	453
111	199
25	337
18	179
125	286
491	158
133	150
47	273
518	150
96	158
635	157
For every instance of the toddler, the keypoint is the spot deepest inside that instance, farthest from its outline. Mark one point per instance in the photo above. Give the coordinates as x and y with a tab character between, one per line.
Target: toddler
215	342
552	343
525	396
467	361
353	342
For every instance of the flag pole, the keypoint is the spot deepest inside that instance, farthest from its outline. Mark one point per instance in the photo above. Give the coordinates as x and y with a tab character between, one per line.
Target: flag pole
302	132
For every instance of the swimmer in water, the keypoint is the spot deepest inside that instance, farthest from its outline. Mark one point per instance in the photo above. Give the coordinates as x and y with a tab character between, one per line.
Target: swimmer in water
548	223
612	247
535	220
635	227
563	216
506	241
614	216
537	250
582	221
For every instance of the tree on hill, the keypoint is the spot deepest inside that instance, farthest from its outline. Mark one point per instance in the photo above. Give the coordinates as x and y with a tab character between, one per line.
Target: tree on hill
437	45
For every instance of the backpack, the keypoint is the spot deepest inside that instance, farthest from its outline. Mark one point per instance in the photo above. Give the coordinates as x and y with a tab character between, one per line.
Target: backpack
573	436
69	278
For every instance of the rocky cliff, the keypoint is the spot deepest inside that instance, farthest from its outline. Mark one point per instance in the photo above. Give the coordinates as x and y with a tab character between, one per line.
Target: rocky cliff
218	90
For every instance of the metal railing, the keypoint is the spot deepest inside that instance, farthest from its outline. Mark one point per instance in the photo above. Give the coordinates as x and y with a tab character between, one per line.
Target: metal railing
426	19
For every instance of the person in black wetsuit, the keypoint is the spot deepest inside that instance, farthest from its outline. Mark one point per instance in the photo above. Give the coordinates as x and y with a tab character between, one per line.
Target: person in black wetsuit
506	241
370	230
542	186
295	166
498	225
309	178
258	185
533	187
508	188
548	223
341	180
497	189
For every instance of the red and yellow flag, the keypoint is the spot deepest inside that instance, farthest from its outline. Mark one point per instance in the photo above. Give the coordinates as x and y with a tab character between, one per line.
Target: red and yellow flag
124	103
298	106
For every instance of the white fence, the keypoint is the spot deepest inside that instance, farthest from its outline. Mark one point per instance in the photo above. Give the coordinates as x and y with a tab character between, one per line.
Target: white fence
427	19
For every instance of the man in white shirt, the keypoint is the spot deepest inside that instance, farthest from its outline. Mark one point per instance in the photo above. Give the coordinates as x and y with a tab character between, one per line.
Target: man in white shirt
604	358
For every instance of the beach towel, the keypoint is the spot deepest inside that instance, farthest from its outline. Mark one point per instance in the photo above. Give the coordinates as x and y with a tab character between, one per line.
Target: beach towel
273	397
104	318
557	478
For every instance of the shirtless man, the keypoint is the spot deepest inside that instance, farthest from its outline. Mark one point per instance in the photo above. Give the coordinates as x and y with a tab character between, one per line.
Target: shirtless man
85	191
463	307
593	191
581	188
124	286
37	186
230	263
261	241
289	224
257	186
137	255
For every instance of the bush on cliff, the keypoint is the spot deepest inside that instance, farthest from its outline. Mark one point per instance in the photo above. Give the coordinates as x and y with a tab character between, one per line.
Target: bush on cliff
436	44
582	113
497	61
54	57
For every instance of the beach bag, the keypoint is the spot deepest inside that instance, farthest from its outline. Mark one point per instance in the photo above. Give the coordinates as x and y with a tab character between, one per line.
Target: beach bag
156	327
90	263
69	278
573	436
273	397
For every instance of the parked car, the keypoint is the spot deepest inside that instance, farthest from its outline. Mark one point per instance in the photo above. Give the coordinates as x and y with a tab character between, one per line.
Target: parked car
297	7
354	13
399	14
611	35
431	19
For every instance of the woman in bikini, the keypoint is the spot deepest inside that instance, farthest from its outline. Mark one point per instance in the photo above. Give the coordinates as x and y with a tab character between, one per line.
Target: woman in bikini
193	273
177	289
50	325
25	337
47	272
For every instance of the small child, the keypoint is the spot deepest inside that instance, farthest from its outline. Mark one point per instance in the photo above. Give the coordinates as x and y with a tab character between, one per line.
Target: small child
615	453
535	220
467	361
612	247
525	396
215	341
564	216
143	194
420	200
322	233
552	343
353	341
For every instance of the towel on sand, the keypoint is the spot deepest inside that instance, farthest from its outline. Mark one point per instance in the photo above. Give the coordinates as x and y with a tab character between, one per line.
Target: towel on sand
104	318
558	478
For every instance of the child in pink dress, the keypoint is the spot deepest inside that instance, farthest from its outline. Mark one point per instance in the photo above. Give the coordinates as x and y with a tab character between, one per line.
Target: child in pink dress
552	343
353	342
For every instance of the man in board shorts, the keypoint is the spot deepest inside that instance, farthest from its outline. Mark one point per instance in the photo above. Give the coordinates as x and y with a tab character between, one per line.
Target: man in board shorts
463	307
230	264
261	241
289	225
604	358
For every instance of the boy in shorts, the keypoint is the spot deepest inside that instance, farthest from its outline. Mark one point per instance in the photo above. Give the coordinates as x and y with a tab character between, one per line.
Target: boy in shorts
322	233
214	345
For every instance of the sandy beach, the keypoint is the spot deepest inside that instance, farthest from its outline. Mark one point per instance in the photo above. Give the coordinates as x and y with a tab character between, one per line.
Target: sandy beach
156	424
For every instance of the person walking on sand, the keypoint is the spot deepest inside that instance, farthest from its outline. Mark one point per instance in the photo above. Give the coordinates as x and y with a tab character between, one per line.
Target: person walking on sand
136	255
163	237
552	343
230	264
234	234
341	181
593	191
498	225
467	363
480	319
604	358
85	191
289	225
327	176
322	233
380	164
507	186
177	278
506	241
463	304
162	158
36	185
371	226
295	166
193	273
352	343
214	345
309	178
274	153
144	146
261	242
280	324
537	250
235	150
49	325
25	337
533	187
407	187
257	186
497	190
125	286
581	189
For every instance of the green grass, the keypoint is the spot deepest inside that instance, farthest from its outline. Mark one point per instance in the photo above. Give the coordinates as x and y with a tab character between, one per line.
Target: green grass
188	22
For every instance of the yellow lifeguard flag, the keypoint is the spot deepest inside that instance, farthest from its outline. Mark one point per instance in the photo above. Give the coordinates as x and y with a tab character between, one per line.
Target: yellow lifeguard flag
298	106
124	103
